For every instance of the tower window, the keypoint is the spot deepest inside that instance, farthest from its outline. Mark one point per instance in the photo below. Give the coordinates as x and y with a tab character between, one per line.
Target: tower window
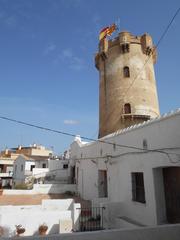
126	72
125	48
127	108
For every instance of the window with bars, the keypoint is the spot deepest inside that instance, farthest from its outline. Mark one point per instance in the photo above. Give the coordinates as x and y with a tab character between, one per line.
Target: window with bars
138	191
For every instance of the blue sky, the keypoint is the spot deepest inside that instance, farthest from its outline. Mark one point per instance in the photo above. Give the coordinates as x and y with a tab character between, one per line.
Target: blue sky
47	71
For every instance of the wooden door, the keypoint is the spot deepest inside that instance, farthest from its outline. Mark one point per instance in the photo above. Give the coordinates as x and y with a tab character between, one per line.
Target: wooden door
171	177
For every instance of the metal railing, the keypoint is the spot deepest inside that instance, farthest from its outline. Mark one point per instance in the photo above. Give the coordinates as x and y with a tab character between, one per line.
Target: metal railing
91	219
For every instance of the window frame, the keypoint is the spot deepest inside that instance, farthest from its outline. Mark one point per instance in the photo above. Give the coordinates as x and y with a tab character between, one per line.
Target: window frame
44	165
126	72
31	167
125	48
127	108
22	167
65	166
138	189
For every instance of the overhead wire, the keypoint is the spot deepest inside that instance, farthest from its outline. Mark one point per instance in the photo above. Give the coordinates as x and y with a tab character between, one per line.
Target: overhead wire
66	133
109	156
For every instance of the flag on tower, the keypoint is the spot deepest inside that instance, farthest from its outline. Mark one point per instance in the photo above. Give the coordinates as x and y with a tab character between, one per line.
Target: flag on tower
103	33
107	31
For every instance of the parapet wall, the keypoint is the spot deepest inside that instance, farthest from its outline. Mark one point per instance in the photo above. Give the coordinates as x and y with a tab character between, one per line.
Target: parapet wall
124	38
43	189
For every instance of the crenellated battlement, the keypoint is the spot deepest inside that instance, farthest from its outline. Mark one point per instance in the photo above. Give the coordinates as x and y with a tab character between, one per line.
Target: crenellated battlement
124	40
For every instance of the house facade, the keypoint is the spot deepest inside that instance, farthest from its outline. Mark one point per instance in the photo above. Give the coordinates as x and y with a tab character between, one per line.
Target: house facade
7	159
33	150
138	169
6	172
40	169
22	169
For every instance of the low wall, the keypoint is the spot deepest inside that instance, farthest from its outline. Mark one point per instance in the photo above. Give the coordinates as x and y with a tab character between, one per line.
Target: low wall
53	188
31	219
60	174
55	204
51	212
40	172
17	192
42	189
163	232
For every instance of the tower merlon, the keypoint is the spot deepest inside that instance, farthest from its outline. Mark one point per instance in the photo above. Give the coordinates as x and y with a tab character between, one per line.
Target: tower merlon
125	40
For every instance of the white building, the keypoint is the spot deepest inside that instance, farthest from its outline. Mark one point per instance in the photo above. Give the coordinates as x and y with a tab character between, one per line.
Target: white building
137	172
41	169
6	172
32	150
22	169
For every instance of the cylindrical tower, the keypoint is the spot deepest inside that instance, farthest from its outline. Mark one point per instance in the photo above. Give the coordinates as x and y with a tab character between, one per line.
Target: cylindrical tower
127	88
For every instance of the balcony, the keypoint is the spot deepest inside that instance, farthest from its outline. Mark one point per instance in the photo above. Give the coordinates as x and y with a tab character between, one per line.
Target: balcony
133	116
7	174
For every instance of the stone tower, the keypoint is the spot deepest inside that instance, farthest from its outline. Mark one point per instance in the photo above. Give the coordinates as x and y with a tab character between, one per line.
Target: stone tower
127	87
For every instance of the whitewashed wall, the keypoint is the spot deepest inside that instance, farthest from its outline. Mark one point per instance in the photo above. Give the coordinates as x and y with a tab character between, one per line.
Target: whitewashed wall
18	175
56	169
31	217
163	133
39	163
40	172
55	164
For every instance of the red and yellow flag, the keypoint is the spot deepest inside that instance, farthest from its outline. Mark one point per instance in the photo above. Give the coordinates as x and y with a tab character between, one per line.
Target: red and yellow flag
107	31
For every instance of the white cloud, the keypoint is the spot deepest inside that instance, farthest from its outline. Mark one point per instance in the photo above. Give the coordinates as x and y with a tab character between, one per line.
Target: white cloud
50	48
74	62
71	122
67	53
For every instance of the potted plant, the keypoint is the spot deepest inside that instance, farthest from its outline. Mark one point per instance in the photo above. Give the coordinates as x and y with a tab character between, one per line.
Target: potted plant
20	229
43	229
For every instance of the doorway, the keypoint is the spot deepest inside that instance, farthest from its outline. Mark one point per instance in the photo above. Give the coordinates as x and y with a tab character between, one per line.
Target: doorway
102	183
171	177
